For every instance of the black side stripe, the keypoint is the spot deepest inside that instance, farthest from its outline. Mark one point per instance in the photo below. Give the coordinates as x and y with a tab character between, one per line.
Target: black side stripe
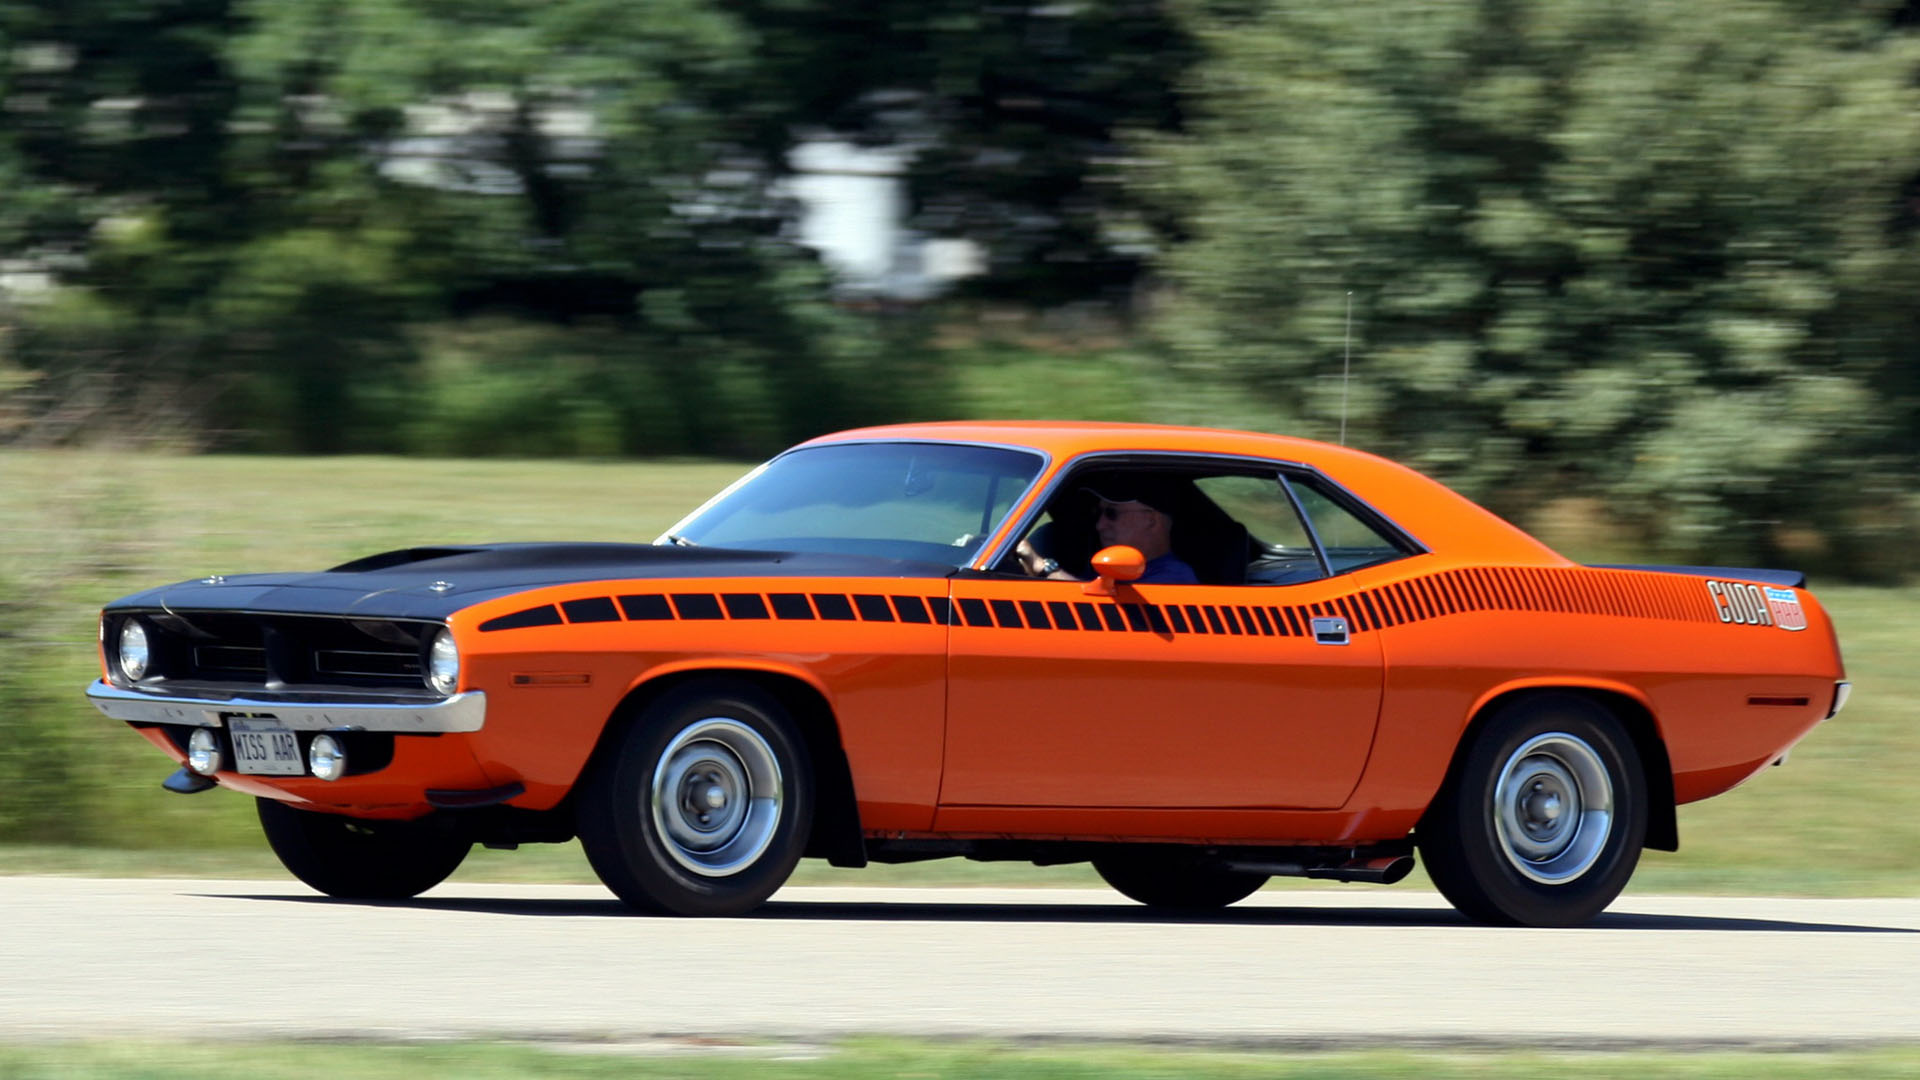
942	609
643	607
696	605
1089	616
1570	590
1346	612
1157	622
1005	614
744	606
1062	613
544	615
791	605
975	611
1036	614
595	609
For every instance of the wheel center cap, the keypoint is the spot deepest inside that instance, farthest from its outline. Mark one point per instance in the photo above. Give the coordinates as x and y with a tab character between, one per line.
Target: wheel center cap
1544	807
715	797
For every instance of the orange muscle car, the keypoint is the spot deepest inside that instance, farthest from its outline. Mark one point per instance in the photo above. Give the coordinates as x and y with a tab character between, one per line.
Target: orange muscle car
1194	658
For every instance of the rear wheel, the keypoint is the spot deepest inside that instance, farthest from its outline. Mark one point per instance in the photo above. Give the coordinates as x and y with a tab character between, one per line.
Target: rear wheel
1543	823
1175	880
704	804
360	860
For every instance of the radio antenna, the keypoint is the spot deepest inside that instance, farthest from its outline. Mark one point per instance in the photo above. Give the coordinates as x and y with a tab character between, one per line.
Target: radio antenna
1346	370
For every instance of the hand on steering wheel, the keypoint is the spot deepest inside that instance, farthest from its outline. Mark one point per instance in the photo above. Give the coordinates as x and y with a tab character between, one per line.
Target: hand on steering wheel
1034	563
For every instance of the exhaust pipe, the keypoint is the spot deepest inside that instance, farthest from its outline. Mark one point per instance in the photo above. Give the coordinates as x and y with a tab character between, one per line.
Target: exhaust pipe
1380	870
1376	870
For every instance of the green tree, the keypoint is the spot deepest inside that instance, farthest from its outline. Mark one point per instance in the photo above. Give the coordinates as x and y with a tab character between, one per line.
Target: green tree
115	108
572	162
1652	250
267	206
1013	114
116	115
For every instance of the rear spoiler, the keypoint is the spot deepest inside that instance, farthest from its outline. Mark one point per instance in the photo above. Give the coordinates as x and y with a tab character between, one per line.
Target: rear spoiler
1786	579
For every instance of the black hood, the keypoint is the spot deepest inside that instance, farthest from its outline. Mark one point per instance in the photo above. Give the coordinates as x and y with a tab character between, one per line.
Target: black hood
434	582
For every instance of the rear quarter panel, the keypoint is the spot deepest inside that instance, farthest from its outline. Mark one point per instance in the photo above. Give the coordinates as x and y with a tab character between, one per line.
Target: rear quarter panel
1726	699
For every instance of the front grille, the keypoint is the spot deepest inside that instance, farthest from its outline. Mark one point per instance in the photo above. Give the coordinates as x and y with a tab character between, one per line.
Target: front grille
369	664
237	659
238	651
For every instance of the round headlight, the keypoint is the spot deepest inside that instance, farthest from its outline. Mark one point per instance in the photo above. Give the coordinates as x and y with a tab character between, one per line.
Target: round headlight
203	752
133	650
443	663
326	758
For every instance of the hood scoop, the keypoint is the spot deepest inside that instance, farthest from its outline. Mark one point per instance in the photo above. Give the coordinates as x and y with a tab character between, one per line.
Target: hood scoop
405	556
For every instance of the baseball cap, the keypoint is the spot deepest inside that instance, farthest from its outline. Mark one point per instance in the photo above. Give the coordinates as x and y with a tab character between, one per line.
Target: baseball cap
1160	493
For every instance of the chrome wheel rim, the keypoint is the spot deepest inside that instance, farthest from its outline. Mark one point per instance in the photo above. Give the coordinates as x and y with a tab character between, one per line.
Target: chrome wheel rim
1553	808
716	797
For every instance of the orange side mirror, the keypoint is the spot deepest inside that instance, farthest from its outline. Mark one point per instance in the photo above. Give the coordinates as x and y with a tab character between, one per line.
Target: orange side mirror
1114	565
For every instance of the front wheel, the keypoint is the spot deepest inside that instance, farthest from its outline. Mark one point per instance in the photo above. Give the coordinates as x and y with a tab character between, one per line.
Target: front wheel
1544	821
703	805
360	860
1175	880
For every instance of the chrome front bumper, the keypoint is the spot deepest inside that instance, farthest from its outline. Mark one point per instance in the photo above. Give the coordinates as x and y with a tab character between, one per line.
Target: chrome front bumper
459	713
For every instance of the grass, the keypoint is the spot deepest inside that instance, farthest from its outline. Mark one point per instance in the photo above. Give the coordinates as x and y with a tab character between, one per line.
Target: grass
1841	817
858	1059
77	529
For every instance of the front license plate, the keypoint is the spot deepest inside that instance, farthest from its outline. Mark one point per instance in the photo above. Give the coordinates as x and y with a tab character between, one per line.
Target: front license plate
263	747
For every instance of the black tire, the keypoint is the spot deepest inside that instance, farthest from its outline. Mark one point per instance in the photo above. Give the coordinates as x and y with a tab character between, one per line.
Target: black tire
1542	822
1175	880
360	860
716	739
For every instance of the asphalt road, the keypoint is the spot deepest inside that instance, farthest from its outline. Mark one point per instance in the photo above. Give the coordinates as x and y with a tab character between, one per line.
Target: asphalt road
1327	967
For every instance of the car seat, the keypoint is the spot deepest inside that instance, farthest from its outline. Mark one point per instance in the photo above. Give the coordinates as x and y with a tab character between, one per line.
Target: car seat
1215	545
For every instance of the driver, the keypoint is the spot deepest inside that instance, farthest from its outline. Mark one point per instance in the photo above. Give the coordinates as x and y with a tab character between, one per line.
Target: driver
1137	512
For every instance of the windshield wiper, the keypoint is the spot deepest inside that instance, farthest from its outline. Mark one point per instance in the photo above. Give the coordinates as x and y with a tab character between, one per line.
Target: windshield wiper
681	540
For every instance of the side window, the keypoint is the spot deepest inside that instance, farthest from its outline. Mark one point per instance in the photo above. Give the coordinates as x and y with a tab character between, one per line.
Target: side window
1231	523
1281	551
1350	543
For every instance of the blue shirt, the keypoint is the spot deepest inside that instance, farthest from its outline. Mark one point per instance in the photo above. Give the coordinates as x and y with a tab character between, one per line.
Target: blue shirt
1168	569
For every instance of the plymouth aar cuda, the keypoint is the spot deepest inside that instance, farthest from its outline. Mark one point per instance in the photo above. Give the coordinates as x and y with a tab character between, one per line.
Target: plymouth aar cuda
910	642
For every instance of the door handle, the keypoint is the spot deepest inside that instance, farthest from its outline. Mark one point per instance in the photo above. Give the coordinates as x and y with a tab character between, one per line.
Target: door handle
1330	631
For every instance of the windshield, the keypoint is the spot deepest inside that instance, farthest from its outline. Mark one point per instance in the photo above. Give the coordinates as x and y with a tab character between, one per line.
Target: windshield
934	502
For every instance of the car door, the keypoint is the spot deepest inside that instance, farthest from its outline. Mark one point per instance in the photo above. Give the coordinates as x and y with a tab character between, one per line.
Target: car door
1258	695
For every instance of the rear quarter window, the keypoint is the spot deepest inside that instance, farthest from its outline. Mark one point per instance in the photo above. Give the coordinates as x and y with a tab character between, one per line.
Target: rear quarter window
1349	542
